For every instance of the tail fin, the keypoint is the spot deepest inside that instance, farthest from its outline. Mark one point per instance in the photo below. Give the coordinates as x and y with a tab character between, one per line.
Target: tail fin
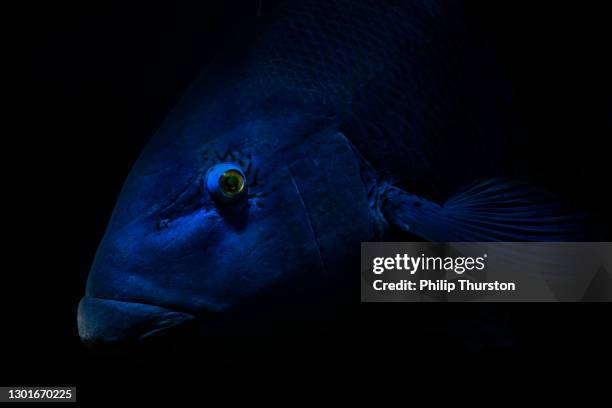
491	210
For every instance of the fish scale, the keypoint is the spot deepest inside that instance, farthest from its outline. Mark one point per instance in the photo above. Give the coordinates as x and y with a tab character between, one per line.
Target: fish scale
398	75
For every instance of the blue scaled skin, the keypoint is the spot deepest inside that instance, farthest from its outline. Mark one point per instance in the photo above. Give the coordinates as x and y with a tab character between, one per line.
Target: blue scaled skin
180	248
321	114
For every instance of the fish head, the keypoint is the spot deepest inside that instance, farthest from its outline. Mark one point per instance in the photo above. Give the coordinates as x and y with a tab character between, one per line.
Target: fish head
226	230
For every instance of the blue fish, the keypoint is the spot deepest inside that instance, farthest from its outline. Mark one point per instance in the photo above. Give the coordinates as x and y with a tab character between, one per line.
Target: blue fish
336	122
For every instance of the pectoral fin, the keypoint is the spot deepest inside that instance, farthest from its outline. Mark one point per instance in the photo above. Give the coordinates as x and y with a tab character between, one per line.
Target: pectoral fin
491	210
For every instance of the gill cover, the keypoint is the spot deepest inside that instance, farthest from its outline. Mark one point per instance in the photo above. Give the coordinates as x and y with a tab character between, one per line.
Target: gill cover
328	174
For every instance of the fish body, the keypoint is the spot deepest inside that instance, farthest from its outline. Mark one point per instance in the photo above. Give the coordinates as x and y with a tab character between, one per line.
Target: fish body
414	92
315	122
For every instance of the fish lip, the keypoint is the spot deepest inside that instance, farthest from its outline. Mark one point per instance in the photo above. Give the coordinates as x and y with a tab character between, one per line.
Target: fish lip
112	322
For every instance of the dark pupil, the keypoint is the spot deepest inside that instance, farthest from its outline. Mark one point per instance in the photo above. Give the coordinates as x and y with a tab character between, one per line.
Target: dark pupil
231	182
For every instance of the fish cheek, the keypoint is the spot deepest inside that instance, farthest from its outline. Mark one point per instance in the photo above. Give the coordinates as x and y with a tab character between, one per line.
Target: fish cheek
271	260
238	257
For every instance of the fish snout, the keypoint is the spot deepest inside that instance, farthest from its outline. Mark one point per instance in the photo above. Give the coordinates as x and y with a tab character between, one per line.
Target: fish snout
107	322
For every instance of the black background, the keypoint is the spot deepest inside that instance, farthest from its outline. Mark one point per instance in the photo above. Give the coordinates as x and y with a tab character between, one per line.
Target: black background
100	77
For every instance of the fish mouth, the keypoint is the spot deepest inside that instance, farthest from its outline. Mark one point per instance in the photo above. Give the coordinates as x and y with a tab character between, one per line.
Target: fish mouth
105	323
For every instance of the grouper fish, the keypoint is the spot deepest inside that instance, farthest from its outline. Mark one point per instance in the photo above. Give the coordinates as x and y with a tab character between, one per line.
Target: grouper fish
332	123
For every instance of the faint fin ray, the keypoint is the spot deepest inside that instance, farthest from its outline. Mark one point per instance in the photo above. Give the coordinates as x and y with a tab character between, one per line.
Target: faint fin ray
490	210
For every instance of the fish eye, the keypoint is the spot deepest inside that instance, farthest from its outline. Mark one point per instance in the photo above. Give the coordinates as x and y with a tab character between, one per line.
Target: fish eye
226	183
231	183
